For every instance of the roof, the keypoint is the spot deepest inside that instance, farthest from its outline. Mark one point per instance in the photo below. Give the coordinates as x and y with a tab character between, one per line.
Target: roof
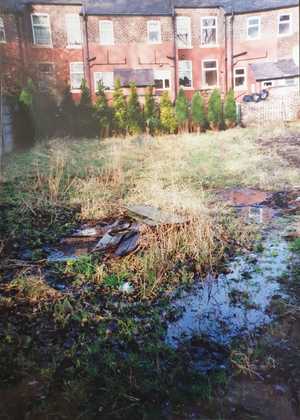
269	70
129	7
237	6
139	77
156	7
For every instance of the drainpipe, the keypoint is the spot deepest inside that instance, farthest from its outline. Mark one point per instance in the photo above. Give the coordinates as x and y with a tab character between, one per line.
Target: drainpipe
232	49
86	53
226	53
20	42
174	49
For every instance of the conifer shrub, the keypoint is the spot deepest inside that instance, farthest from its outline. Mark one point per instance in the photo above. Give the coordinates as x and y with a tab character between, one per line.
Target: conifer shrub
230	114
102	112
134	112
68	114
119	110
215	110
182	110
85	115
167	115
151	113
199	117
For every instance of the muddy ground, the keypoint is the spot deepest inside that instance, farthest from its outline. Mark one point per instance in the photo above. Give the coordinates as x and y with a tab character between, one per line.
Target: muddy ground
226	346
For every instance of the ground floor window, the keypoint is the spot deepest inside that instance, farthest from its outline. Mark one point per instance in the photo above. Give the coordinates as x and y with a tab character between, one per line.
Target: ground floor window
162	79
185	73
210	73
267	84
104	77
240	78
45	75
76	75
2	30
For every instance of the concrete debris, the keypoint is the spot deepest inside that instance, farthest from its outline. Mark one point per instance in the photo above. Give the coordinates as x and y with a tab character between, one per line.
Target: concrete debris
153	216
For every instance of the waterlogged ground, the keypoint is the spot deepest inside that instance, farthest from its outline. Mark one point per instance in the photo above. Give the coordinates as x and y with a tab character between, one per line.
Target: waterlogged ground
80	339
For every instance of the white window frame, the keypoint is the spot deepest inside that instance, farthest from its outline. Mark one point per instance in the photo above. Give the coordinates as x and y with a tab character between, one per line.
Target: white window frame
160	74
244	86
158	23
192	81
112	41
290	23
250	38
70	44
263	84
2	29
189	27
96	80
70	69
205	70
215	44
48	26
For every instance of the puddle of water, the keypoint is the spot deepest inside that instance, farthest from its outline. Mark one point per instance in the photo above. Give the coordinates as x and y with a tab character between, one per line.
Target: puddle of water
234	304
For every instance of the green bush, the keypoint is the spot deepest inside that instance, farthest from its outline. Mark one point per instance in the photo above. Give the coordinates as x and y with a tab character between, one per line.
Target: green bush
85	117
102	112
167	115
134	112
182	110
68	114
215	110
198	111
230	114
119	109
151	113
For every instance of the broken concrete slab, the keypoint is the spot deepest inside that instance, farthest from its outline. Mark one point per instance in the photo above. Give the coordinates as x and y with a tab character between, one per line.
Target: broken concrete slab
153	216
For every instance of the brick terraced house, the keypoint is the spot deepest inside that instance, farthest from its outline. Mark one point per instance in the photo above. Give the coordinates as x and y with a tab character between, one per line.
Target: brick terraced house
193	44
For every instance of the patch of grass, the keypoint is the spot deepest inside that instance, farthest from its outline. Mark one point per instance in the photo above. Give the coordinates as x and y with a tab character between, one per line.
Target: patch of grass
295	246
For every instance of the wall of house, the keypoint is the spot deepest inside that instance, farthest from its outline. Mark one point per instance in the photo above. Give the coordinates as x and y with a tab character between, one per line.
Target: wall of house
11	55
131	49
59	54
198	53
268	47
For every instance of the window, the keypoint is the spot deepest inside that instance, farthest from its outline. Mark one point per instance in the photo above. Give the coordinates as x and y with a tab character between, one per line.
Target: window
183	33
2	31
41	29
154	32
76	75
46	68
106	32
267	84
185	73
284	25
253	29
209	30
210	73
73	30
162	79
290	82
240	78
106	78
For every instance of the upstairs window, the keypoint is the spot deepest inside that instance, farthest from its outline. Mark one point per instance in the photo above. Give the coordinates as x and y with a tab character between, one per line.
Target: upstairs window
104	77
2	30
106	31
76	75
253	28
240	78
183	33
154	32
185	73
284	25
209	30
73	30
210	73
162	79
41	29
